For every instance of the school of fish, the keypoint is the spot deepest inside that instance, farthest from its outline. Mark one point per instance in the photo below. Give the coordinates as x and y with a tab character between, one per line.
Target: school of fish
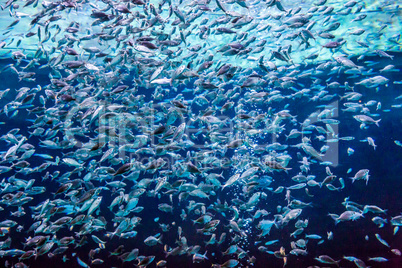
220	116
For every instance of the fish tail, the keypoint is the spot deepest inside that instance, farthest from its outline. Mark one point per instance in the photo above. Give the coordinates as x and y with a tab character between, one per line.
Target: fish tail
160	239
334	217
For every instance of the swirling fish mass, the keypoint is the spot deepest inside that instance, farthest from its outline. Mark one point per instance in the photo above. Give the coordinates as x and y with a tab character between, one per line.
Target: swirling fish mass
200	133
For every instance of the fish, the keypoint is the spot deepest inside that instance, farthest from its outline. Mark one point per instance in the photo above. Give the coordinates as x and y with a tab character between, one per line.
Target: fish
346	216
144	262
362	174
382	241
364	119
123	169
231	180
152	241
327	260
170	115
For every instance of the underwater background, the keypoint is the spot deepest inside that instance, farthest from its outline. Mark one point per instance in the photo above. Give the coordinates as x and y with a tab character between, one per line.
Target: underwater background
132	120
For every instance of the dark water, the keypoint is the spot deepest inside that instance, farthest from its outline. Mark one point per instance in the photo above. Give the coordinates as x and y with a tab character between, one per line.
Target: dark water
383	189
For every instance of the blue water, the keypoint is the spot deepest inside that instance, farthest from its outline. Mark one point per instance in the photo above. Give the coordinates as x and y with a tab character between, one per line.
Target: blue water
383	189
